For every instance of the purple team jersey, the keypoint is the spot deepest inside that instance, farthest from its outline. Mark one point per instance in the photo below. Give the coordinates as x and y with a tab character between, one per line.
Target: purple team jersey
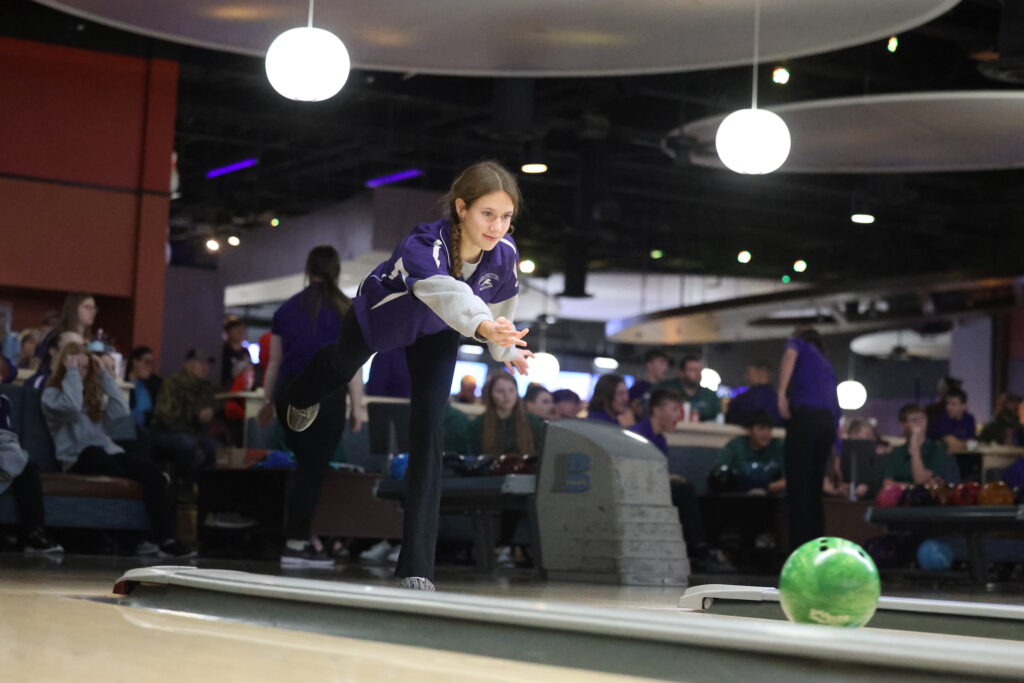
301	335
389	313
645	429
813	384
943	425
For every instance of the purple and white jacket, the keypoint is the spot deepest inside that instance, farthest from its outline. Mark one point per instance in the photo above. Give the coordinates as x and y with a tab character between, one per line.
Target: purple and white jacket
412	294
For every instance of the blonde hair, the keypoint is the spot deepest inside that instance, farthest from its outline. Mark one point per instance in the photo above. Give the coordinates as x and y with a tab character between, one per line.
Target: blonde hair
480	179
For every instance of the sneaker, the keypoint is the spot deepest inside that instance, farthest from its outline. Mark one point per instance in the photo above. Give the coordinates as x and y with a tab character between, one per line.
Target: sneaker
309	556
147	548
175	549
714	562
299	419
38	543
376	553
228	520
395	552
504	558
416	583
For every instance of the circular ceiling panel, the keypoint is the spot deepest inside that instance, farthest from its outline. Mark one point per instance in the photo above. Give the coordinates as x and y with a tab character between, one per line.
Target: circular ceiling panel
526	37
970	130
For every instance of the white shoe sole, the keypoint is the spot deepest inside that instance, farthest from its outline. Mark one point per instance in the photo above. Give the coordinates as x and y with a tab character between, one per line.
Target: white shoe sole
56	550
300	419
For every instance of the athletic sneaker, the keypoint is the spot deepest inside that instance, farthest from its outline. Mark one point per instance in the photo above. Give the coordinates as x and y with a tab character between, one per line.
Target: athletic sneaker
299	419
147	548
376	553
503	560
417	583
38	543
176	550
309	556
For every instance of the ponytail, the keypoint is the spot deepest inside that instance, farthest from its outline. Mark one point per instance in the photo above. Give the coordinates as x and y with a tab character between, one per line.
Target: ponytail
323	265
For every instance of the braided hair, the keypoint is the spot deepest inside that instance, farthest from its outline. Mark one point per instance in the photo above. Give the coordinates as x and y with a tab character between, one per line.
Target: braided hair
481	178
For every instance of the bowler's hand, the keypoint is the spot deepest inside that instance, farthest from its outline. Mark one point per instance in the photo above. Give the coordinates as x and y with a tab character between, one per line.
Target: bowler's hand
519	363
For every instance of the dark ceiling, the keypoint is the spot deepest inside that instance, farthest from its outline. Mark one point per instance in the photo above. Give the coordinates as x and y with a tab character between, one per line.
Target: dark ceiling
614	191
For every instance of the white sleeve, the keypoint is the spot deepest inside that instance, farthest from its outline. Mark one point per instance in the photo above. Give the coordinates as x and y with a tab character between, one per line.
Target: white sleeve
453	302
503	309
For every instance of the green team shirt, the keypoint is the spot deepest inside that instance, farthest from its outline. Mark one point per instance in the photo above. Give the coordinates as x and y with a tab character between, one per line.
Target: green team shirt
508	435
737	453
896	465
705	401
456	431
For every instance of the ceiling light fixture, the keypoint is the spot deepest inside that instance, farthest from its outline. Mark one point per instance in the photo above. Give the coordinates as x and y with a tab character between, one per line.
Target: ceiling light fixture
234	240
780	75
231	168
744	256
753	141
893	44
527	266
212	245
799	265
862	218
534	168
307	64
657	254
393	178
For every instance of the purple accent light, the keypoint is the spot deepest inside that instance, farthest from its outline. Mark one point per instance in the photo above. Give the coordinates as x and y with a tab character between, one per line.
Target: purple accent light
231	168
394	177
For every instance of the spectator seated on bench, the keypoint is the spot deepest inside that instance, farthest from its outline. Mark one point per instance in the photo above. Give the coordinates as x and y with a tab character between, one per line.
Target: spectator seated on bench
80	401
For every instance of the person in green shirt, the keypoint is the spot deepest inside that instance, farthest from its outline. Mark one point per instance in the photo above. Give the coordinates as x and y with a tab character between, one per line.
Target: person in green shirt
505	427
456	431
702	400
920	460
758	446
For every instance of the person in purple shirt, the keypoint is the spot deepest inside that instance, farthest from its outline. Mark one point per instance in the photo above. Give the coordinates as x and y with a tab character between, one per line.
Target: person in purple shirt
447	279
610	400
302	326
809	405
656	365
666	408
954	426
760	396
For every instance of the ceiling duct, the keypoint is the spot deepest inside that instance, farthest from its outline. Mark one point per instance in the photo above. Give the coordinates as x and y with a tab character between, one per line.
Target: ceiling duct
1009	68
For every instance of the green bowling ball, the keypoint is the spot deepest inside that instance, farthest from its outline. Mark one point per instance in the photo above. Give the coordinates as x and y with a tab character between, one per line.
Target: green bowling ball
829	581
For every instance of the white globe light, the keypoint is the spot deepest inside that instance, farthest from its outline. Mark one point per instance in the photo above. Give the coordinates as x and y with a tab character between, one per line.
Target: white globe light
307	64
752	141
543	368
710	379
852	395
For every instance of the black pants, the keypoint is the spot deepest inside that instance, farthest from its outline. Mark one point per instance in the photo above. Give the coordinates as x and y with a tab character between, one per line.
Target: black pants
155	492
431	362
810	434
313	449
28	494
684	497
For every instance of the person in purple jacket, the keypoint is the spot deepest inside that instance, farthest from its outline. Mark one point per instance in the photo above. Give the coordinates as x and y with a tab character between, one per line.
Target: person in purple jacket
809	405
451	278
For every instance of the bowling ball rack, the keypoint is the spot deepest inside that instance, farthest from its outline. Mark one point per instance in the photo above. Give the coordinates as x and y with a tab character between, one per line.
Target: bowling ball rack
974	522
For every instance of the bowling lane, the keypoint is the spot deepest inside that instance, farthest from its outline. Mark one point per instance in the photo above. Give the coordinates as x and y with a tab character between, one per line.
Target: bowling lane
662	644
45	636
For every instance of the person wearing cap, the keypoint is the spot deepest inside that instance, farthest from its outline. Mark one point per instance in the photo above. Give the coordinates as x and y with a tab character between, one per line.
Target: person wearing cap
758	446
1005	428
182	415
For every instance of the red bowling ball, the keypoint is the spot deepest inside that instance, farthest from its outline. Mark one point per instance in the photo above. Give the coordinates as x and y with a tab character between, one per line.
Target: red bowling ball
890	496
966	494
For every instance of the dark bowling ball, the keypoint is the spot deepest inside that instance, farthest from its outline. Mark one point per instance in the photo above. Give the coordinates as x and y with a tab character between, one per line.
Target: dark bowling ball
526	465
915	496
723	479
1018	495
965	494
995	493
940	492
451	465
504	464
753	475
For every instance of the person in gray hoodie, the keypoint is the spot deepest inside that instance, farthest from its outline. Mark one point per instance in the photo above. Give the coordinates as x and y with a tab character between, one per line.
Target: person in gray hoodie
21	475
80	399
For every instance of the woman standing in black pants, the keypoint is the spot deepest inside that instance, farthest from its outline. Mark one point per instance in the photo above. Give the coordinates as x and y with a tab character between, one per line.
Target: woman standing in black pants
453	277
302	326
810	407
